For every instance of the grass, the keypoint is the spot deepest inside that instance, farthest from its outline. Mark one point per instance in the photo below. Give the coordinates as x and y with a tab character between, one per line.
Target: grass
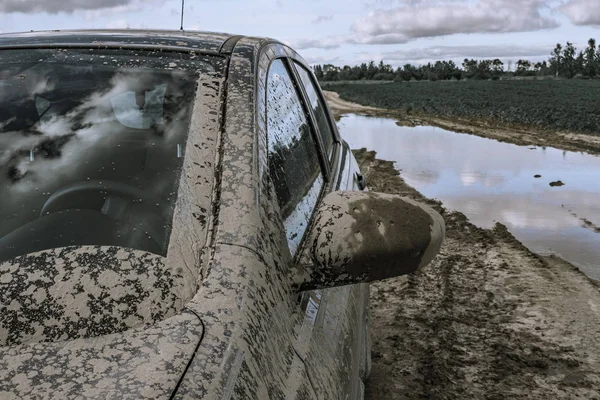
565	105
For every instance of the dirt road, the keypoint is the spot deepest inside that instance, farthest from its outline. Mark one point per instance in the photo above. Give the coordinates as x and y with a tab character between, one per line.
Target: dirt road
518	135
488	319
339	106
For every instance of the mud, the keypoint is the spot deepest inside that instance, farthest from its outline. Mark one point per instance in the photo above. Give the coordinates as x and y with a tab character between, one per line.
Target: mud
339	106
516	134
586	223
487	319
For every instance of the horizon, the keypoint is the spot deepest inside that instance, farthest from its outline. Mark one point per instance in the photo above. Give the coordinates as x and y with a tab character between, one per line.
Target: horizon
339	33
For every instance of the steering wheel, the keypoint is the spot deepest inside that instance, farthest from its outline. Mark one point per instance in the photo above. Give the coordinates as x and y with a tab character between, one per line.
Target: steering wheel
113	199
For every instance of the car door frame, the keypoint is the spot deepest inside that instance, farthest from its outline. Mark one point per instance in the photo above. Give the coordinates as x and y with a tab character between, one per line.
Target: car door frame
273	51
332	169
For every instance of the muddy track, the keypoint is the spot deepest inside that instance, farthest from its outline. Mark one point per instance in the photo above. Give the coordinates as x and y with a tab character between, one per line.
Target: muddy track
520	135
488	319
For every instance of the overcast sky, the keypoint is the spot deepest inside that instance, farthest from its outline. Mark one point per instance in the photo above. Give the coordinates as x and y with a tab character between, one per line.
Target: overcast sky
342	31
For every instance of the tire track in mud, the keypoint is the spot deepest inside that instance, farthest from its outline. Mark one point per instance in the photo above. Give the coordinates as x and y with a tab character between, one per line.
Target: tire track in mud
487	319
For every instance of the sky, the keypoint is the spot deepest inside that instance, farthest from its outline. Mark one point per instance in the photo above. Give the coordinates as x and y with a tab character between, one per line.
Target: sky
342	31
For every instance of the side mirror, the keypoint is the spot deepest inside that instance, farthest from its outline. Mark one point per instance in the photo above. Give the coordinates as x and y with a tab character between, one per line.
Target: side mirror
361	237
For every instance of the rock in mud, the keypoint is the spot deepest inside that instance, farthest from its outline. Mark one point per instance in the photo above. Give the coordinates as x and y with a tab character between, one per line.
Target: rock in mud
557	183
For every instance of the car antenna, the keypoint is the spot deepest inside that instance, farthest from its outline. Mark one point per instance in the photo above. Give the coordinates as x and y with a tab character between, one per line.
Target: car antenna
182	3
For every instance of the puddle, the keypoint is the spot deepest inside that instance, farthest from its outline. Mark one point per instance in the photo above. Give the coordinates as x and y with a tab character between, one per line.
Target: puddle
491	181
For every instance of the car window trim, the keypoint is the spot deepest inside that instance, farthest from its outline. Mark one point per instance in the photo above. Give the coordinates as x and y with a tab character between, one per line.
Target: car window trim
328	180
337	165
334	133
267	55
336	152
316	134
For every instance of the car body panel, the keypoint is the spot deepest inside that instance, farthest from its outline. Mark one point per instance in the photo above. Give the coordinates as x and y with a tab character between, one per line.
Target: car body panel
333	365
261	339
249	329
339	336
247	348
265	321
145	362
73	293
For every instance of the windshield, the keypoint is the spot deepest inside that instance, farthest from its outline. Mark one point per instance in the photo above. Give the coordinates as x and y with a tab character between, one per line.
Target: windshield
91	146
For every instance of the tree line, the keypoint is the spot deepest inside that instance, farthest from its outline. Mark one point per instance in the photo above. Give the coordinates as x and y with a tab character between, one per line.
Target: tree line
564	62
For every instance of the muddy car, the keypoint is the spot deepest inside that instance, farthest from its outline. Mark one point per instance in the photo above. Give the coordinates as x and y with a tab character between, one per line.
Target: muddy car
181	219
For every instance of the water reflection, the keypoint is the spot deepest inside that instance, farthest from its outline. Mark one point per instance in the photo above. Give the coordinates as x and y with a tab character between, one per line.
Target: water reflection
293	161
90	150
491	181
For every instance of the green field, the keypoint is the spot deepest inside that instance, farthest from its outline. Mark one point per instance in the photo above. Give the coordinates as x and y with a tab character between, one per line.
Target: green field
571	105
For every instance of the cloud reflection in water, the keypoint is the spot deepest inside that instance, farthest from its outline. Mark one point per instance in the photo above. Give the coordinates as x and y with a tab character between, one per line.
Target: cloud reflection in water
491	181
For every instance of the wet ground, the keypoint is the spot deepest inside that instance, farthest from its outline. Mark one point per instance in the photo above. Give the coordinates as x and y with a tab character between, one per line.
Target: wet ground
548	198
487	319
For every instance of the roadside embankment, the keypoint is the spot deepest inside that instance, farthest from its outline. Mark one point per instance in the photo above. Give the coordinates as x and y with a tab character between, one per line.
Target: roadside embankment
516	134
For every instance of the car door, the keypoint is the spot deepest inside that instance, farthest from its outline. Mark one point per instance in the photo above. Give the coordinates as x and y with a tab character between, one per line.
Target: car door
301	156
343	305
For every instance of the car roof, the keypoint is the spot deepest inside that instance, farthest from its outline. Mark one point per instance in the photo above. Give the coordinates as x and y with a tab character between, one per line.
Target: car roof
203	42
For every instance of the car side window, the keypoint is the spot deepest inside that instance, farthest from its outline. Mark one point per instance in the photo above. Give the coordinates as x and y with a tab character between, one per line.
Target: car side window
319	109
293	154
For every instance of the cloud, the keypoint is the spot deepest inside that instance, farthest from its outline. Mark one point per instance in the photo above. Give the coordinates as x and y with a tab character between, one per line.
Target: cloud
312	60
409	20
377	4
461	52
118	24
57	6
117	11
125	24
431	18
328	43
322	18
582	12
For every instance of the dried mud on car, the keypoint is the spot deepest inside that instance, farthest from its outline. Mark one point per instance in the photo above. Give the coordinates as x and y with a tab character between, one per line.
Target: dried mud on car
487	319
